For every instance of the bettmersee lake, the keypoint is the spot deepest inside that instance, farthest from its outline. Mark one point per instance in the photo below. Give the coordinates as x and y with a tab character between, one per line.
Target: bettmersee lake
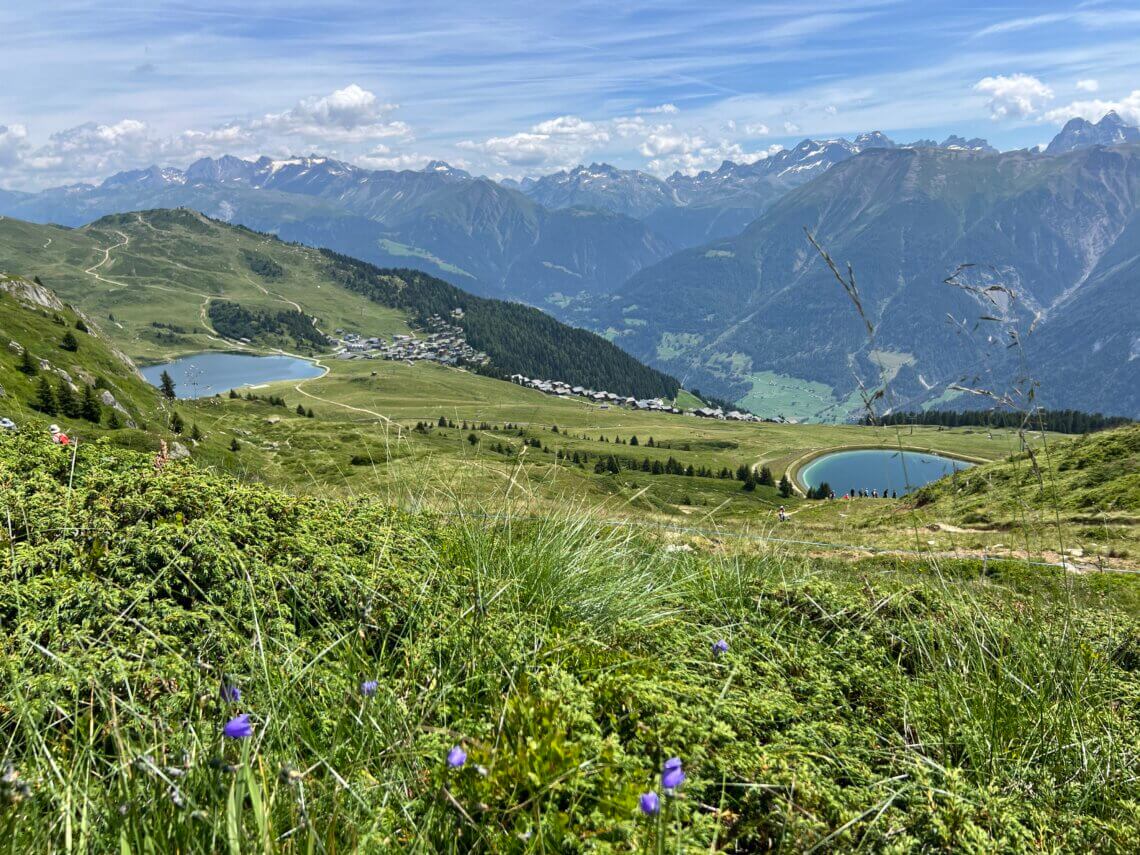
204	374
878	469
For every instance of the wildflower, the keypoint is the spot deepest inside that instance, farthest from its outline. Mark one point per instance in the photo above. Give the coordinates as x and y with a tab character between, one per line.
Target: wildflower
672	776
650	803
238	727
368	688
720	647
456	757
231	694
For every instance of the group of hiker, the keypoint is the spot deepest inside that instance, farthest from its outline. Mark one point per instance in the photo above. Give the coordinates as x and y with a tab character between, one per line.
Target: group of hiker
870	494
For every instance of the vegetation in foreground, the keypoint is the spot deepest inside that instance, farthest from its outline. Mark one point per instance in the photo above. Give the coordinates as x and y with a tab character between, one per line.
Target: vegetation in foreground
882	706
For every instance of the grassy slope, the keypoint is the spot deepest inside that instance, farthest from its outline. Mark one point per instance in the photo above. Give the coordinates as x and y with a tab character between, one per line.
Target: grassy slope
41	329
170	267
877	706
170	264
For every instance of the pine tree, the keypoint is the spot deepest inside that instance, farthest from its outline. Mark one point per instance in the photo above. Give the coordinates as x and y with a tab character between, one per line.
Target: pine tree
68	404
45	398
166	385
89	406
234	394
785	486
113	421
69	342
766	479
82	327
176	423
235	445
27	364
300	409
309	413
195	434
472	439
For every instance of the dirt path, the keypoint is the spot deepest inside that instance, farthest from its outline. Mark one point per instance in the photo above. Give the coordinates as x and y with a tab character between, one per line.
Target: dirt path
331	403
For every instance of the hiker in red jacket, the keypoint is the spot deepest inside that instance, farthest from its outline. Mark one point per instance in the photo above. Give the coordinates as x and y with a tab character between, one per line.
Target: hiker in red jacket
58	436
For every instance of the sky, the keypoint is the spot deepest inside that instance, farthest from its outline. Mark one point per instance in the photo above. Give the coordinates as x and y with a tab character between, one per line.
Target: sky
507	88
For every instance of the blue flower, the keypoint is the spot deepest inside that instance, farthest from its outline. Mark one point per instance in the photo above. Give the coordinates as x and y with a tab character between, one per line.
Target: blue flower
456	757
368	688
720	647
672	776
231	694
238	727
650	803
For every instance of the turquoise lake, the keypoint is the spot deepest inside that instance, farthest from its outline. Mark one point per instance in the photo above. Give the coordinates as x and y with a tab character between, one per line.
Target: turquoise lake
878	469
204	374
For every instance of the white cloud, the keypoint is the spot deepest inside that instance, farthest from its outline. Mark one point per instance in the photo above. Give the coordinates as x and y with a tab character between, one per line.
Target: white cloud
791	128
669	109
1094	109
351	114
13	144
558	142
1017	96
1088	85
831	109
383	157
757	130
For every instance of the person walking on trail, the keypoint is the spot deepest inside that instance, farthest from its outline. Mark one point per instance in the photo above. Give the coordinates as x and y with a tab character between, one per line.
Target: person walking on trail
163	455
783	514
58	436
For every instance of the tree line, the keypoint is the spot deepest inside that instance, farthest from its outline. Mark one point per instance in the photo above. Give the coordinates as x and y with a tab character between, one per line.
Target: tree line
235	321
1058	421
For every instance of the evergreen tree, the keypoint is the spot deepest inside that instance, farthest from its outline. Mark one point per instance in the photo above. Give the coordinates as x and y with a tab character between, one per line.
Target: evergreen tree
113	421
785	486
69	342
472	440
633	440
309	413
27	364
300	409
68	404
45	398
235	445
176	423
195	434
766	479
82	327
89	407
234	394
166	385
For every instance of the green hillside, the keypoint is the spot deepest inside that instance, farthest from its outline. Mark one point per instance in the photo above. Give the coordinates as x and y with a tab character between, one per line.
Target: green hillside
66	352
152	278
878	705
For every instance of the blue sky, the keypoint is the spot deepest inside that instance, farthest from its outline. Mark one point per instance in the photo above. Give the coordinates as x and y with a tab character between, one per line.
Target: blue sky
513	88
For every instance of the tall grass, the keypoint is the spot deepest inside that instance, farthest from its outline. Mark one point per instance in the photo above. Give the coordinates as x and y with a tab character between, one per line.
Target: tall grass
882	705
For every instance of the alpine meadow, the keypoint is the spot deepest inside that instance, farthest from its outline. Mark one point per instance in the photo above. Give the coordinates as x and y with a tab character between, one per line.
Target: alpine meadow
587	429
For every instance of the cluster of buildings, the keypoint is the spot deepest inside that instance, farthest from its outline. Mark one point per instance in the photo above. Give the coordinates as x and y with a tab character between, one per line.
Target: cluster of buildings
606	399
445	344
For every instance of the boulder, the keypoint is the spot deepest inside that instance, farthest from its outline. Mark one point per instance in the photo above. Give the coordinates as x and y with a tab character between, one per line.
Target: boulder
16	348
178	451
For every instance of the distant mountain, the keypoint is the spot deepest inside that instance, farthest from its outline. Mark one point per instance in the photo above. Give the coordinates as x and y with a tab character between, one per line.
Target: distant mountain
604	187
1061	234
1080	133
691	209
489	238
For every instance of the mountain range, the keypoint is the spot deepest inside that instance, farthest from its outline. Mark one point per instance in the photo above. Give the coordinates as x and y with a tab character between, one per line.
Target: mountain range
710	276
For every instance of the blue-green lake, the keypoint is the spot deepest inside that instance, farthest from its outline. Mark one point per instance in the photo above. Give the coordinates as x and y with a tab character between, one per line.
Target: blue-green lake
878	469
204	374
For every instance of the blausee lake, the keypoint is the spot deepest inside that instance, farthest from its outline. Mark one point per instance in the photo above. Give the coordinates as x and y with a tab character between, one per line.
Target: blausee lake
878	469
204	374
